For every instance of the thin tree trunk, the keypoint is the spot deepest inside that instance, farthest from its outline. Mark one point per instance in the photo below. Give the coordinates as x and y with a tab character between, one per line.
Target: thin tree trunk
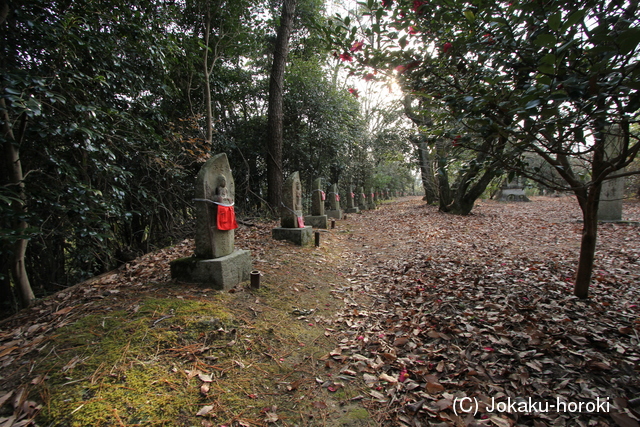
275	132
207	84
14	167
426	170
589	200
588	243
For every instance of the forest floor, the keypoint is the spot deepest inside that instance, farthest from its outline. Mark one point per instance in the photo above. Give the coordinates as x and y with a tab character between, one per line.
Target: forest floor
402	316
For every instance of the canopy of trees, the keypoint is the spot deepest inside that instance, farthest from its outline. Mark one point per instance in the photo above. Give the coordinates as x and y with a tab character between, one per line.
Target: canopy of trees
497	81
108	109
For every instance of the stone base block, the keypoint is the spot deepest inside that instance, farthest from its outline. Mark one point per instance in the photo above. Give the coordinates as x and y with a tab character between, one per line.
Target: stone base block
337	214
298	236
219	273
353	210
512	195
317	221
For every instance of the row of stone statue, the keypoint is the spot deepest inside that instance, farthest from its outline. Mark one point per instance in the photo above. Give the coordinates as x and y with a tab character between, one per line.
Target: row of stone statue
291	209
216	262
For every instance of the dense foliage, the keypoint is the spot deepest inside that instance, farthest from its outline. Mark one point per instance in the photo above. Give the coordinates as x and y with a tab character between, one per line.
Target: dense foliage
112	106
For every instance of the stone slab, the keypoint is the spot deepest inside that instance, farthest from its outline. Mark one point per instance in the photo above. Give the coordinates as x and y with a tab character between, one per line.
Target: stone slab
317	221
337	214
219	273
353	210
298	236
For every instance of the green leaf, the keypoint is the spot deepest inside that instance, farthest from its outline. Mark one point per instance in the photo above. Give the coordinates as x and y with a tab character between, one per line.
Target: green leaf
204	46
573	19
532	104
549	58
545	40
629	40
470	15
555	21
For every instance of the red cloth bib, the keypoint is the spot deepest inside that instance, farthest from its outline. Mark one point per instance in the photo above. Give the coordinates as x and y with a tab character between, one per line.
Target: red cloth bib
300	222
226	218
324	196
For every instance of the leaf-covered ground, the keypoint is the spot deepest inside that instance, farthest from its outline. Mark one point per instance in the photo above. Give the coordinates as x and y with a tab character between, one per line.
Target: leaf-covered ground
403	316
470	313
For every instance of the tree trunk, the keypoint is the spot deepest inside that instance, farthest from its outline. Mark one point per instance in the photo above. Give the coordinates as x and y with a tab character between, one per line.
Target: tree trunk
275	173
444	187
207	84
426	170
588	243
14	167
589	200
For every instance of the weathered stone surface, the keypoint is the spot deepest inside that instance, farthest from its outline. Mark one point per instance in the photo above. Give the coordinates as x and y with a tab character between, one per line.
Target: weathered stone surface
351	201
512	192
219	273
371	204
336	214
213	183
361	199
351	198
317	198
298	236
334	198
317	221
612	193
292	200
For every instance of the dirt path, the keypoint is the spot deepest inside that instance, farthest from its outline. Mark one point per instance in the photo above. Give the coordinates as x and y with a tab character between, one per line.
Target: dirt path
400	314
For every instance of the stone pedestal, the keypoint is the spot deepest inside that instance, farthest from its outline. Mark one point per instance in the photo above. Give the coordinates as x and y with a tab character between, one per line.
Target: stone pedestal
337	214
317	221
219	273
512	192
354	209
512	195
298	236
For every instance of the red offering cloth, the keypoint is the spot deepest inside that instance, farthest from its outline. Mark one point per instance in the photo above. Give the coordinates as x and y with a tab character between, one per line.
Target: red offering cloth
324	196
300	222
226	218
